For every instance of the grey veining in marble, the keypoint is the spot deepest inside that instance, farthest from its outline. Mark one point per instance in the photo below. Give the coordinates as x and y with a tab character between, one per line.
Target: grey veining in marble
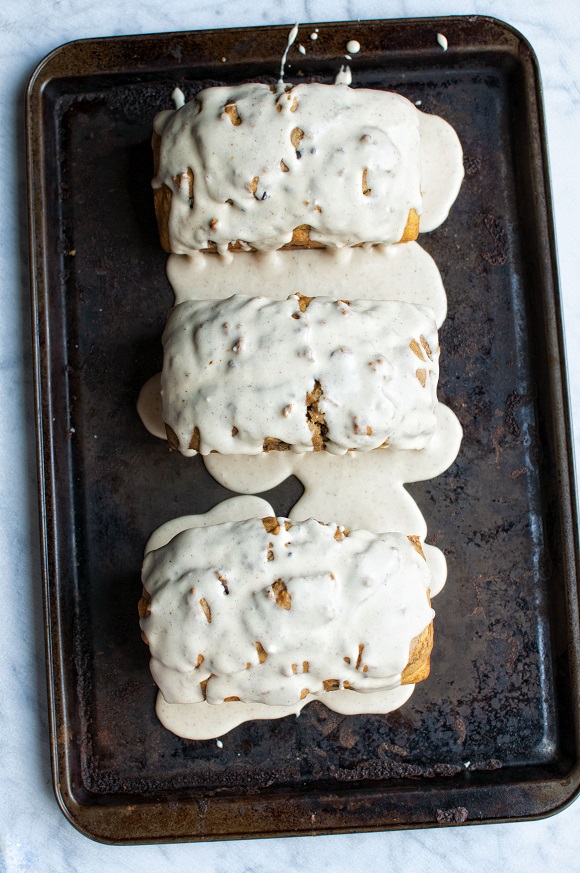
34	835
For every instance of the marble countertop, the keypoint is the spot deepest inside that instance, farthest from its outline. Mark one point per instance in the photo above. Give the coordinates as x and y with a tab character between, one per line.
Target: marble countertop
34	835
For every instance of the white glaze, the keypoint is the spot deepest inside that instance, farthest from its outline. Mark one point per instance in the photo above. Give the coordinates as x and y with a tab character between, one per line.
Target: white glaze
202	721
440	179
234	509
291	37
252	474
442	40
355	489
178	98
353	46
442	173
251	183
352	490
344	77
264	615
239	370
403	272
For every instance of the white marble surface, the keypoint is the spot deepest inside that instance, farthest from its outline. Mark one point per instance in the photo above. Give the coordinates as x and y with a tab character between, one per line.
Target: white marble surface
34	836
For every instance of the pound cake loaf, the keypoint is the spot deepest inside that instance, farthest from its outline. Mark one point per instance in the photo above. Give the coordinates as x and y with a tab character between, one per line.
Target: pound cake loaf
252	374
269	611
266	167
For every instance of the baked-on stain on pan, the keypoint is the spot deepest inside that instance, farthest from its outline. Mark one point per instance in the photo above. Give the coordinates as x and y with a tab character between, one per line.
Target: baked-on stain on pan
493	734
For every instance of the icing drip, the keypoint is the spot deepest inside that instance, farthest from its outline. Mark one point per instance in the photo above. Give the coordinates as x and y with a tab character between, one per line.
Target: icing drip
440	179
178	98
291	37
356	489
404	272
344	76
202	721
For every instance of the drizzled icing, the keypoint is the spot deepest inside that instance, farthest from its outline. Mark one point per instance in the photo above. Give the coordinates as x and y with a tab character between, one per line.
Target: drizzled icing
291	38
344	76
356	489
240	371
406	272
270	615
441	170
202	721
360	489
238	508
178	98
346	162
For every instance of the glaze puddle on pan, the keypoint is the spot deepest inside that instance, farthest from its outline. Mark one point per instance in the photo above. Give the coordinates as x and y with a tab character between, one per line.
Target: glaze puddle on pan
492	734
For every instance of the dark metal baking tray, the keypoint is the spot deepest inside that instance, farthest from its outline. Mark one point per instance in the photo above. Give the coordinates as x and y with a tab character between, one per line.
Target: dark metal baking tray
493	734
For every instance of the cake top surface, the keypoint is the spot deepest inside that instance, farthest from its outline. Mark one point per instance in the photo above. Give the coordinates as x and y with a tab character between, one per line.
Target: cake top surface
245	369
252	162
266	608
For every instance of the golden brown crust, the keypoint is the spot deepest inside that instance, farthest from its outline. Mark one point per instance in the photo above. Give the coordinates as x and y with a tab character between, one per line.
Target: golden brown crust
172	437
300	236
419	664
416	543
281	595
314	417
144	608
271	525
271	444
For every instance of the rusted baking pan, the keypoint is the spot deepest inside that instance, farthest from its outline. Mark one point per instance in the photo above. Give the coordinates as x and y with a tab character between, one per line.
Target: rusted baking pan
493	734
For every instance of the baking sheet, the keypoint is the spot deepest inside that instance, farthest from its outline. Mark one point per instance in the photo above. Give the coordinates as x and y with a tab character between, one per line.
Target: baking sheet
493	733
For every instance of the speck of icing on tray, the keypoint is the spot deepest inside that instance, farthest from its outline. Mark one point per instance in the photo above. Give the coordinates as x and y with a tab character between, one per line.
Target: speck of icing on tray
442	40
418	102
353	46
348	57
344	76
301	49
313	36
178	98
219	744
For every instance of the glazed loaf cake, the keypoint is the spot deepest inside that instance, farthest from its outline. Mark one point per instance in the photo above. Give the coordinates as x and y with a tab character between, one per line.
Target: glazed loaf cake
267	610
252	374
266	167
